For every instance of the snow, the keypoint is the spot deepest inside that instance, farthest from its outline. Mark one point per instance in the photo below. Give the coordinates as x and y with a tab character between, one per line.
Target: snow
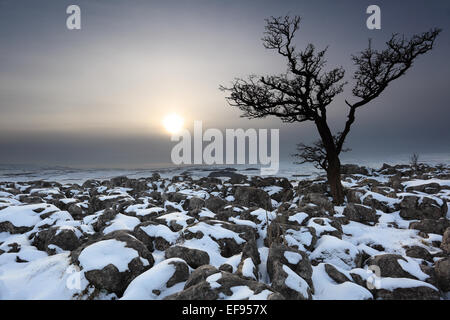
419	182
212	248
263	215
300	238
177	206
162	231
271	190
243	222
244	292
299	217
141	211
71	228
202	194
206	213
212	280
4	194
293	257
335	251
247	268
263	295
413	268
295	282
23	216
68	200
27	253
392	239
321	228
390	202
111	197
326	288
58	218
438	200
178	217
24	280
122	222
144	286
45	191
216	231
45	278
105	252
394	283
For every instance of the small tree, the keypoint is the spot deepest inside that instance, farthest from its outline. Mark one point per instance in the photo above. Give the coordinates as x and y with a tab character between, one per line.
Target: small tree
306	89
414	161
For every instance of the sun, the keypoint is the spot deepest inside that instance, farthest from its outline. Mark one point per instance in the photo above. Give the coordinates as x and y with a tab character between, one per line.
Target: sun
173	123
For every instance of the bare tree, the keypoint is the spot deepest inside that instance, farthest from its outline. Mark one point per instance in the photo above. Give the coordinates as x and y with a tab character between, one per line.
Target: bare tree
315	154
306	89
414	161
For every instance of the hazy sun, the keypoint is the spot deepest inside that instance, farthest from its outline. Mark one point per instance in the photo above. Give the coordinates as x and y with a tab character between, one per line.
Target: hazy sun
173	123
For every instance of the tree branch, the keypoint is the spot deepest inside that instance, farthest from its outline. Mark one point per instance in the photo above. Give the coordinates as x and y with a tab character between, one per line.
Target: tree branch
377	69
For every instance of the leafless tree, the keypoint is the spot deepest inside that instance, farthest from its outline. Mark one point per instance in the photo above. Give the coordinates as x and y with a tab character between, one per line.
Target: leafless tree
306	89
414	161
314	153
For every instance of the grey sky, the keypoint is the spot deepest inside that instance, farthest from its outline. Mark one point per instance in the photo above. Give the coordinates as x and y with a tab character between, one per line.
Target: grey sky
96	97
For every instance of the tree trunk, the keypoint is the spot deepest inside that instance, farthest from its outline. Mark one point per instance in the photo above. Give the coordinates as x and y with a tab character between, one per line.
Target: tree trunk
334	179
334	164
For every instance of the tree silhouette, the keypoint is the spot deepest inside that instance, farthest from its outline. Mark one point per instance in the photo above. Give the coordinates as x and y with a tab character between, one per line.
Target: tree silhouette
306	89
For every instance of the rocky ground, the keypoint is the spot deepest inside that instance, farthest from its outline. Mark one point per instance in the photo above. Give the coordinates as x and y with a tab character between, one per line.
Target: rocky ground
228	236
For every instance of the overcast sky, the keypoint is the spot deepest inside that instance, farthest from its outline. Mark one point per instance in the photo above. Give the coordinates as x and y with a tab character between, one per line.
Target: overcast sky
97	96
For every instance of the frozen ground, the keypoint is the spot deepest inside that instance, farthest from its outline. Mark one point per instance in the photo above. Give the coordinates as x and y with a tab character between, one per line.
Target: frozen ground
211	233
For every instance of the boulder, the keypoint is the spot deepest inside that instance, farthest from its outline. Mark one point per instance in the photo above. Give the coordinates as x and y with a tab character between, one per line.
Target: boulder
319	200
103	220
430	225
354	196
445	244
176	197
395	182
155	236
215	203
209	182
334	274
297	237
326	226
307	186
338	252
442	271
389	266
413	293
353	169
193	257
152	284
226	267
196	203
412	207
212	284
75	211
252	197
296	260
200	274
360	213
7	226
229	241
379	203
66	238
419	253
430	188
250	259
289	283
123	259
